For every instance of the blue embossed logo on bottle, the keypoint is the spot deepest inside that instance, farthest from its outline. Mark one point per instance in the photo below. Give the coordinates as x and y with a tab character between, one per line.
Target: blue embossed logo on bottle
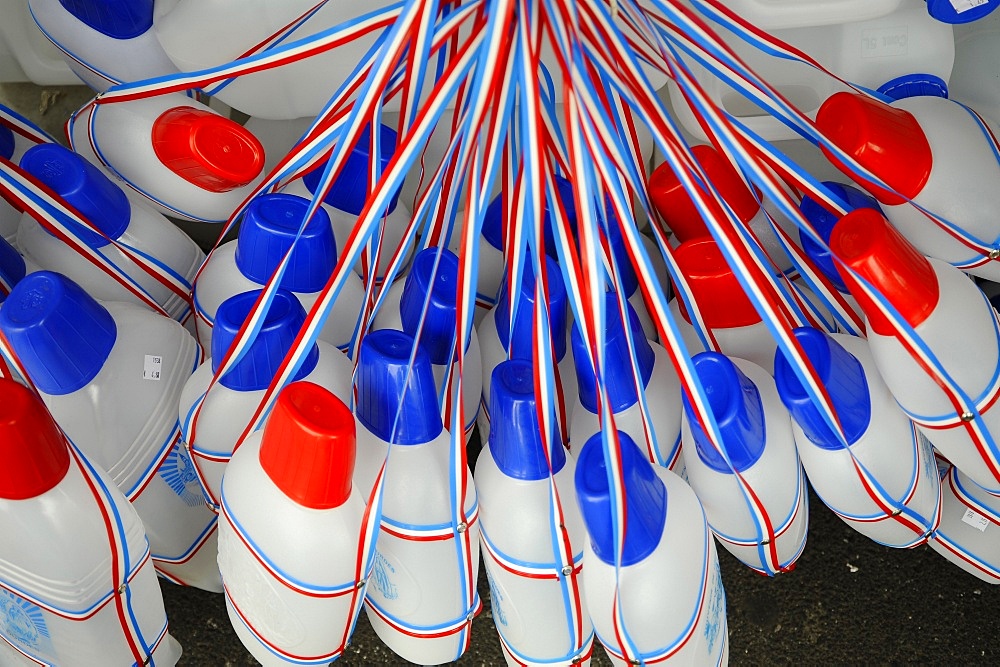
716	619
23	624
179	474
496	601
382	573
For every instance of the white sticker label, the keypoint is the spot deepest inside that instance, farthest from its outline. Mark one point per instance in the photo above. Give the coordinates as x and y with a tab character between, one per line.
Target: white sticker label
884	42
151	367
976	520
965	5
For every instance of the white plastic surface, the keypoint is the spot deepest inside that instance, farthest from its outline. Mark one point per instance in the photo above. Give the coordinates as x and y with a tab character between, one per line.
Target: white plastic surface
10	217
123	134
226	412
776	479
317	547
898	457
977	61
25	53
515	515
774	14
148	233
221	279
278	137
970	519
127	425
98	59
55	549
683	572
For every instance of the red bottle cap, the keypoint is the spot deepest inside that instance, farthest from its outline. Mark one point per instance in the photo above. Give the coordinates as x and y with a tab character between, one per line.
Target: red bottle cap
34	455
865	241
207	149
678	209
887	141
308	446
721	300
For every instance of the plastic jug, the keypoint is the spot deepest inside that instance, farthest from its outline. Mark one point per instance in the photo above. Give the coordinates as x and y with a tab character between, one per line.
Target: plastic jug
932	151
246	263
970	518
12	147
111	375
886	451
126	220
534	615
952	317
179	155
278	137
104	42
658	380
894	47
290	515
668	549
346	198
757	440
415	601
58	599
230	405
434	278
498	341
977	57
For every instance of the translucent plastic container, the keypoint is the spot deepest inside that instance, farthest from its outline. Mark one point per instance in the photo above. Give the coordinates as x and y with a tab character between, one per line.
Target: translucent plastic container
659	381
970	519
185	159
246	263
59	602
882	439
12	147
290	514
104	42
278	137
951	316
894	47
932	151
229	407
126	220
977	56
402	310
668	549
757	438
533	614
415	601
112	375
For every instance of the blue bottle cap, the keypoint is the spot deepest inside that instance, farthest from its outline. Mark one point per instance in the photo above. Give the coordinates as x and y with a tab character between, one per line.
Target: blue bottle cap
645	501
276	336
59	332
515	433
618	377
120	19
629	281
524	322
437	336
84	187
493	227
846	385
736	404
267	232
6	142
387	386
823	220
350	191
914	85
12	267
946	12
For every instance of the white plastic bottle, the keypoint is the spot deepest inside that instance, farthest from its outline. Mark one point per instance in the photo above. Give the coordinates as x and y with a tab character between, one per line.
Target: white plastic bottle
128	221
434	278
532	596
757	440
12	147
246	263
417	598
952	317
230	405
932	151
977	50
498	341
290	529
668	585
104	42
59	571
346	199
112	375
888	457
182	157
658	380
278	137
970	519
